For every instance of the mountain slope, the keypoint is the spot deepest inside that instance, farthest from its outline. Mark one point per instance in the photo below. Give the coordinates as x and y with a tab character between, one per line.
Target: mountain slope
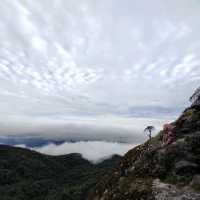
26	174
153	171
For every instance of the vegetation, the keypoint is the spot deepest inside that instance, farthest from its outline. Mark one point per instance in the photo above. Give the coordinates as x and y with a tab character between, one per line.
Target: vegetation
28	175
149	130
195	98
153	171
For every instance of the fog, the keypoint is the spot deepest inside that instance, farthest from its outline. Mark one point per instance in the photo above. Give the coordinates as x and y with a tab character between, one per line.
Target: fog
94	151
128	130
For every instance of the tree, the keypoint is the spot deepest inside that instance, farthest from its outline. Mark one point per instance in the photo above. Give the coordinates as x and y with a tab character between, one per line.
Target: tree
195	98
149	130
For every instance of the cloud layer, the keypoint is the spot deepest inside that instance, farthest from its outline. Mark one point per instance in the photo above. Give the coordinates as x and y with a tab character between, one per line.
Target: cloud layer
95	151
97	56
85	69
113	129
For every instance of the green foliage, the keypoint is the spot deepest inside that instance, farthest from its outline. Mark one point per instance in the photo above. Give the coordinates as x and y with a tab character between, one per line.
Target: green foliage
157	138
196	96
25	174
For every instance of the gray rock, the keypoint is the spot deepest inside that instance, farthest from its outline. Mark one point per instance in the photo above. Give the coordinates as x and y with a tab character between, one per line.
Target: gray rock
195	181
185	166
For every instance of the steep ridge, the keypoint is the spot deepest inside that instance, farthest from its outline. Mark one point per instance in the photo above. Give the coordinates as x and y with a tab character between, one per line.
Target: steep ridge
154	171
28	175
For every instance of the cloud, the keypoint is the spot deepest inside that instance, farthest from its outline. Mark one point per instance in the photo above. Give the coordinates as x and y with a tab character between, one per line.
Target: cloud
96	58
94	151
110	128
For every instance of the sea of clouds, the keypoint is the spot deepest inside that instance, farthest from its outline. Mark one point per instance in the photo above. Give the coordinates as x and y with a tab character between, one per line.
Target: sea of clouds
94	151
95	139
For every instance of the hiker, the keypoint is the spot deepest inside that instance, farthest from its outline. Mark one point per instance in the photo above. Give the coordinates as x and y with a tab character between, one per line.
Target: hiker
168	135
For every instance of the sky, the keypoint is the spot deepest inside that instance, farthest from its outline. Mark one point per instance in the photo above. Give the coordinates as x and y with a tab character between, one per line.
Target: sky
99	69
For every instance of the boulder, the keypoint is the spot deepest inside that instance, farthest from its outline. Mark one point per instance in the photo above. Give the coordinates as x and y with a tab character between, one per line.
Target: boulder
185	166
195	183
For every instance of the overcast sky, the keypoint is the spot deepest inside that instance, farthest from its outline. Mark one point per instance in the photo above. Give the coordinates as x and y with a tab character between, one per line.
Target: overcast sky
76	62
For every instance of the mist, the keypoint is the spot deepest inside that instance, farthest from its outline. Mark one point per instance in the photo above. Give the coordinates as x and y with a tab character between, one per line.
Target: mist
94	151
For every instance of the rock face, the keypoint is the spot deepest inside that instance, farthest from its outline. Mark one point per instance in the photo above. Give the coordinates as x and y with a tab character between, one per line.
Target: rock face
151	171
172	192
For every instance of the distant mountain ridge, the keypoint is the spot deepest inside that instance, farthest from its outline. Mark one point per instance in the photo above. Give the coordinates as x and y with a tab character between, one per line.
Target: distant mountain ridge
29	175
29	141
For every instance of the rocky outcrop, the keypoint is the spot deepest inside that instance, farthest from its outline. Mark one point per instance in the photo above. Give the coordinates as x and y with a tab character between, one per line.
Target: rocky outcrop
168	191
153	171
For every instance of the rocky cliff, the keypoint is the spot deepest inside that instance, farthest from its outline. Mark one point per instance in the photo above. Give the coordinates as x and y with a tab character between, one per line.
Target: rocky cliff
153	171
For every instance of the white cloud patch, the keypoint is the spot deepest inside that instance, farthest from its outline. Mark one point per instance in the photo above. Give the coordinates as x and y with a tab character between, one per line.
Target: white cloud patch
94	151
